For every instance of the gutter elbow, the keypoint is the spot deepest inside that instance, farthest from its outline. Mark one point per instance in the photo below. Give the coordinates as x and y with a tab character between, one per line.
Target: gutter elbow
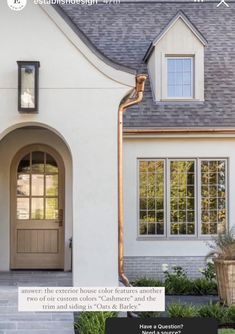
140	82
138	93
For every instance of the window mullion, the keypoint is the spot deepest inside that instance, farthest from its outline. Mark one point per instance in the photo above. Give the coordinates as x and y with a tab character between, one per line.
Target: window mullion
198	200
168	206
227	189
30	185
147	198
44	190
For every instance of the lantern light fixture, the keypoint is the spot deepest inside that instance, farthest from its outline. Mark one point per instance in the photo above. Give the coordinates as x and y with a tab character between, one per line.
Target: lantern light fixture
28	76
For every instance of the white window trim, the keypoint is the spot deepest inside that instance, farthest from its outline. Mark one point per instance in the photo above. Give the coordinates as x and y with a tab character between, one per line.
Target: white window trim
198	235
191	97
161	94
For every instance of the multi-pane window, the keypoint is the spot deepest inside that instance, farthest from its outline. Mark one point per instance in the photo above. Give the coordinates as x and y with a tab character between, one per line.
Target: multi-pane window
213	196
180	77
151	201
37	187
182	197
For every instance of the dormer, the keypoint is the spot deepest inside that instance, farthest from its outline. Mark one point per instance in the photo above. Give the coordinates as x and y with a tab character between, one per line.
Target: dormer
175	62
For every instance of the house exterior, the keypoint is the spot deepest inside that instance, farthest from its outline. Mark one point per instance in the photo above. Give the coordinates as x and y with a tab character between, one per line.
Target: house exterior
59	167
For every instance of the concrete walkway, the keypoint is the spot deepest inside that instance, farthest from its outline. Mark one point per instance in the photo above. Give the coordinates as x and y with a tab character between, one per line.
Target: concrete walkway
12	321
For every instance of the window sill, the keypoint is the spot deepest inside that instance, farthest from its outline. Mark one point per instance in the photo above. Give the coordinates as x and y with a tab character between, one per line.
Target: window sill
180	101
182	238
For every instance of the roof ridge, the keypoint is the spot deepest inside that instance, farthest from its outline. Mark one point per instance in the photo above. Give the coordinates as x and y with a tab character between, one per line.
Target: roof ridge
187	21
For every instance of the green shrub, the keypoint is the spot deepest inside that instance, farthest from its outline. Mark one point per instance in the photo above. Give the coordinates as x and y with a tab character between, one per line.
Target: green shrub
177	283
178	286
219	312
215	311
231	314
178	272
148	282
92	322
209	271
226	331
181	311
146	315
202	286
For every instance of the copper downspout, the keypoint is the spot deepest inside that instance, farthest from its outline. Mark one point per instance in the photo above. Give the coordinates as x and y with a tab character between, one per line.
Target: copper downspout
133	98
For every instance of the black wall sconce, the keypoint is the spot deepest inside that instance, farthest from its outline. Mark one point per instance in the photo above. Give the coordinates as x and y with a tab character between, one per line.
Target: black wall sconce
28	75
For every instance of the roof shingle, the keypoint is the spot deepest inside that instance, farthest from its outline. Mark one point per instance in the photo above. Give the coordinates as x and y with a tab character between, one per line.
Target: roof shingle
124	32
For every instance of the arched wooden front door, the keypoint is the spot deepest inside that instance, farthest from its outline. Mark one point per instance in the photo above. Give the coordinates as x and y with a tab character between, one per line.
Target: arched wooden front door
37	209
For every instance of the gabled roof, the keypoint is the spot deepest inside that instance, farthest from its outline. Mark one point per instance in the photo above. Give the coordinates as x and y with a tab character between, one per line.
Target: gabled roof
124	32
189	24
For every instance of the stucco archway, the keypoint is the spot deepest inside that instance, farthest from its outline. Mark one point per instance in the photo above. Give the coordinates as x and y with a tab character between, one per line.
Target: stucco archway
13	140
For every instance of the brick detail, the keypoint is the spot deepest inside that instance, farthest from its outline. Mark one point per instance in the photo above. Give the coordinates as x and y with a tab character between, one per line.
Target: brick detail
151	266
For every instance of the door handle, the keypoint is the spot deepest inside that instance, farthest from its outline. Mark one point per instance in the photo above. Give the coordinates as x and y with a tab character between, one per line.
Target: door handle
61	217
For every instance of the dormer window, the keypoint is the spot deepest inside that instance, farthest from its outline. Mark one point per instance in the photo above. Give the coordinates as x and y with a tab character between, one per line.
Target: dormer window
180	77
175	62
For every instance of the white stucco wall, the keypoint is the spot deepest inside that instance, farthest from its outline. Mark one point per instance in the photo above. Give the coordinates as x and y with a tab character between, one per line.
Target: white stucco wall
80	103
186	147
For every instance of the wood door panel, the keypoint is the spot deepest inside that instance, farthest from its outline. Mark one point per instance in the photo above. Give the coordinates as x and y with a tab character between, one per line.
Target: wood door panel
37	241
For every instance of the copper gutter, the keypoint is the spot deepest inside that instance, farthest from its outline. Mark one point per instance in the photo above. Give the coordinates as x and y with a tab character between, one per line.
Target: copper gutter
133	132
135	97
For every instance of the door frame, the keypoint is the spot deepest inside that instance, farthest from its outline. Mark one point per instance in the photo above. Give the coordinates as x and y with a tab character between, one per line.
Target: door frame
13	184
